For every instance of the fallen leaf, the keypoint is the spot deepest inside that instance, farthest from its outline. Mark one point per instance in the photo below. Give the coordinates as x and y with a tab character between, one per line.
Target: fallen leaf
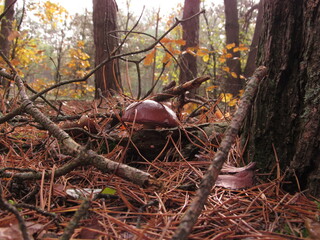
313	228
242	177
239	180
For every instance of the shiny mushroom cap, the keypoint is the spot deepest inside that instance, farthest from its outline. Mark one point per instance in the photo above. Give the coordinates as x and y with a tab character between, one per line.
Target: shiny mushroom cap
150	113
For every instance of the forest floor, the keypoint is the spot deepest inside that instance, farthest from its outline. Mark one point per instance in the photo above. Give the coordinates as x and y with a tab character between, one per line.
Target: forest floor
128	211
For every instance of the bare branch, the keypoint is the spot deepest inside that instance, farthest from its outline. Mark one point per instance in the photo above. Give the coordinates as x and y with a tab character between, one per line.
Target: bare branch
209	179
83	156
178	90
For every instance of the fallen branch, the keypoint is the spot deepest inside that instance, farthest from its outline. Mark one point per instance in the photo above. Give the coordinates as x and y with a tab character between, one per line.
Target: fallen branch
82	155
80	213
190	217
178	90
4	205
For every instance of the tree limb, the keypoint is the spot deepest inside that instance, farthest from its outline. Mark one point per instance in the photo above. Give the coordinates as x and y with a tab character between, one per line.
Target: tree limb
190	217
82	155
178	90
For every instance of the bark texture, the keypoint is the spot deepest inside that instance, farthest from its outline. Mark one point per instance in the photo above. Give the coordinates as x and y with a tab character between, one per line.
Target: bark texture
286	113
251	61
107	78
232	84
6	28
190	30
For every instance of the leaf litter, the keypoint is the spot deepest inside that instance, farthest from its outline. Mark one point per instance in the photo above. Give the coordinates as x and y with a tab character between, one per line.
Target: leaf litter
259	211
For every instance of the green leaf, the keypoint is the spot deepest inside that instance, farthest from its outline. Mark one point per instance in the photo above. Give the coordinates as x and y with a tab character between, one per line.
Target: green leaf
109	191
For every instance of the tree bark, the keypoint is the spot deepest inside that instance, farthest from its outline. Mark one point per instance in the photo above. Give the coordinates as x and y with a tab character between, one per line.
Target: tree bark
107	79
251	61
6	28
285	119
232	84
190	30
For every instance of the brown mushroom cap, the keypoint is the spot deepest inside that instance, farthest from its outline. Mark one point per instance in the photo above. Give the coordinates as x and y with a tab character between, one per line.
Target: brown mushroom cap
150	112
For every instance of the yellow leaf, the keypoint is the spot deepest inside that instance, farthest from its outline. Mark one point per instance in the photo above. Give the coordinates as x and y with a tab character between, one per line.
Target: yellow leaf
222	59
206	58
242	77
226	97
191	51
180	42
210	88
15	62
236	49
190	107
233	74
218	114
80	44
243	48
202	52
233	102
226	69
176	51
165	40
149	58
231	45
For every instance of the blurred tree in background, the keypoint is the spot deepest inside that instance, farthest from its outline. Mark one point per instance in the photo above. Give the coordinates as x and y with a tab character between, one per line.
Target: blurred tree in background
49	45
190	29
6	34
107	78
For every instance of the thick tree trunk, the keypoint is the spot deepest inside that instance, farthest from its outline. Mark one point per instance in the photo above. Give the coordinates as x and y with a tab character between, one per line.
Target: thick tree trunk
251	61
286	114
232	84
190	29
107	78
6	28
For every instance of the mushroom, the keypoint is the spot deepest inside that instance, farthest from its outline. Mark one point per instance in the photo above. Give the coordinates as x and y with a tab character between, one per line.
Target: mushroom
151	114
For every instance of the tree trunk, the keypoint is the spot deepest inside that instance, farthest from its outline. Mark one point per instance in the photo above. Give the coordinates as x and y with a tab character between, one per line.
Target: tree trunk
107	78
286	115
190	30
6	28
232	84
251	61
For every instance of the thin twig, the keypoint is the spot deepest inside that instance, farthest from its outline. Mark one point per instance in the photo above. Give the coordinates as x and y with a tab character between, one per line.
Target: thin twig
80	213
4	205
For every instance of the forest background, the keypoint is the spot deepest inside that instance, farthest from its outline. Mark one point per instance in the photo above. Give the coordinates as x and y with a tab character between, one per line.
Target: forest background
50	45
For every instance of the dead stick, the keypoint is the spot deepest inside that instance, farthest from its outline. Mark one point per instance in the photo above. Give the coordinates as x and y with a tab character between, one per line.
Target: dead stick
178	90
83	156
74	222
190	217
4	205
